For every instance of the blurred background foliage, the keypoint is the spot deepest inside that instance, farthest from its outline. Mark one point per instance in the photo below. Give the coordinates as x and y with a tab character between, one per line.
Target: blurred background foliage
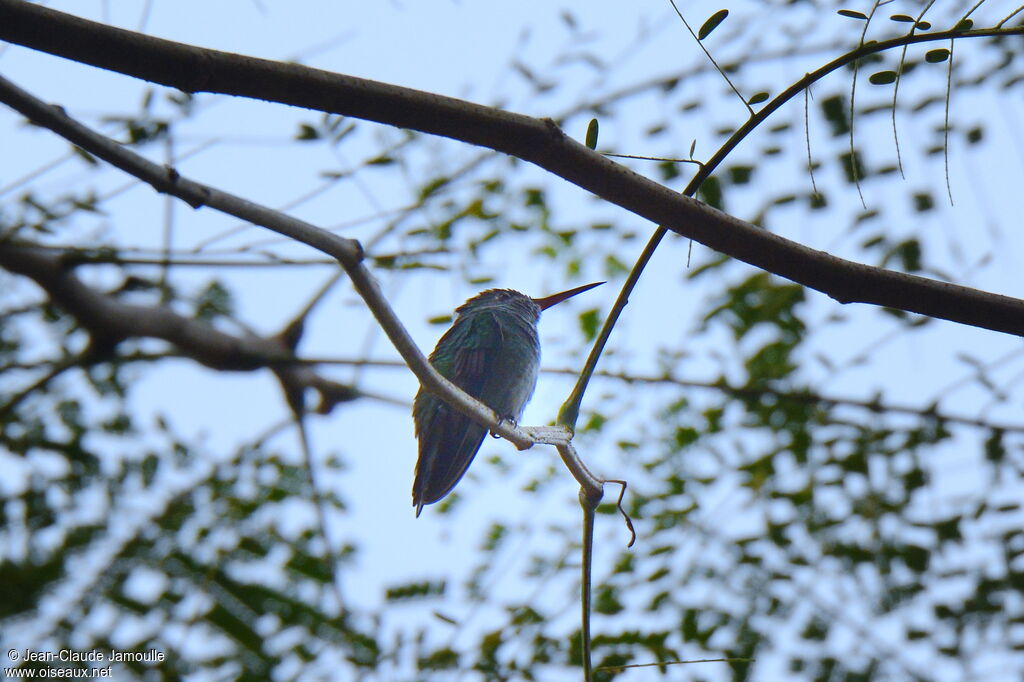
820	492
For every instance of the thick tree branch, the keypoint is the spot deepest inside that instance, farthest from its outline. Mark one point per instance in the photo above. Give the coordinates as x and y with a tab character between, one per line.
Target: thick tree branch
541	142
110	321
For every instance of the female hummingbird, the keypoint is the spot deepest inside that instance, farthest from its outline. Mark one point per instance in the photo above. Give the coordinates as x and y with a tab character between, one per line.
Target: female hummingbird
492	353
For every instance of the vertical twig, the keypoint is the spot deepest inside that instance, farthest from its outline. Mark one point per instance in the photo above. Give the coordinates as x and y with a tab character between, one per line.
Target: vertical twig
589	501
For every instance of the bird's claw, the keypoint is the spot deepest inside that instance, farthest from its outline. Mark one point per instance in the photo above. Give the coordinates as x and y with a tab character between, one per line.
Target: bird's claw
501	420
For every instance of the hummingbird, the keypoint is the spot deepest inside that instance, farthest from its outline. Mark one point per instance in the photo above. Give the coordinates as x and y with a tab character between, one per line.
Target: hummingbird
491	352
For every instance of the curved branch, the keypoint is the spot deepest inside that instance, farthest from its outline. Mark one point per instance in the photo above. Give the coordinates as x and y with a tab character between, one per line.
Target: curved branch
110	321
541	142
348	253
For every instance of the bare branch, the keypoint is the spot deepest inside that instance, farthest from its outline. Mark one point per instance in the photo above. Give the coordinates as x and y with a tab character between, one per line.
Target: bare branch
110	321
539	141
91	308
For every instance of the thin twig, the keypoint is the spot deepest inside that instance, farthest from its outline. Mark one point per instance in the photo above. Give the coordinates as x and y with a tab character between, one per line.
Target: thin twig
896	86
651	158
625	516
58	368
720	70
622	668
588	501
853	97
945	122
321	511
1009	16
807	137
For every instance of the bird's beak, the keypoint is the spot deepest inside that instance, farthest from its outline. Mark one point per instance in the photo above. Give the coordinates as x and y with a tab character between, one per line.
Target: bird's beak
548	301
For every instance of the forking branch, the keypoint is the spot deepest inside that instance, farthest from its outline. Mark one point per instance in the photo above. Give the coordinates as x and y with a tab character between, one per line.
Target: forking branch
175	179
539	141
348	252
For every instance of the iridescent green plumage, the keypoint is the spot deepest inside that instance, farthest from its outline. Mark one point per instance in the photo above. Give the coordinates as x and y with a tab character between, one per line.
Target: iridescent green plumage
492	353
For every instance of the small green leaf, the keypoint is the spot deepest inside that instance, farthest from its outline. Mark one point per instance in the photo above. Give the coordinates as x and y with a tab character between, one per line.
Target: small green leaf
607	601
923	25
936	56
852	166
758	98
416	590
307	132
592	130
853	15
740	175
835	111
84	155
710	192
712	23
902	17
613	267
882	78
589	324
432	187
213	302
865	216
656	129
345	132
964	25
442	659
909	253
685	436
995	450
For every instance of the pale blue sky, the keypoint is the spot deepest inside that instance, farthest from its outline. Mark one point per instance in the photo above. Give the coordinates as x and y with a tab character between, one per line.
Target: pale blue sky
464	49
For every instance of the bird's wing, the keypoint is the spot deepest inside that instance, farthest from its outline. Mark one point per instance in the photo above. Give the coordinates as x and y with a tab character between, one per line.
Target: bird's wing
450	439
476	347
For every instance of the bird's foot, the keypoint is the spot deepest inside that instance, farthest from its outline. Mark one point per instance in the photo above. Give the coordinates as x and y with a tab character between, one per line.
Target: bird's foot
503	419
